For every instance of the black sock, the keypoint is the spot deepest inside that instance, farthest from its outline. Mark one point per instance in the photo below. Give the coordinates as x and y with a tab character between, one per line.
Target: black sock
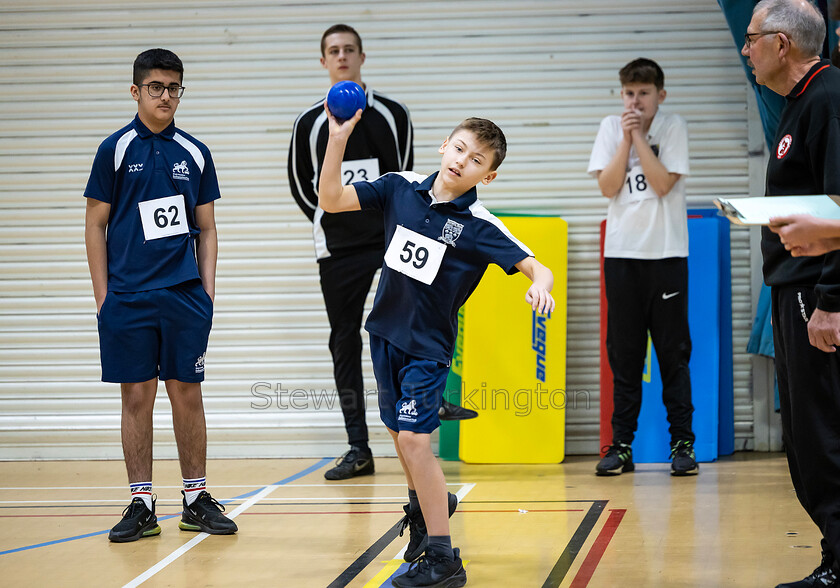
413	502
362	447
441	545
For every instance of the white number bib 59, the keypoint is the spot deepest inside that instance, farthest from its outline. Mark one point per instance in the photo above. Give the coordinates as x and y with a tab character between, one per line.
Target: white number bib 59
164	217
636	187
359	170
414	255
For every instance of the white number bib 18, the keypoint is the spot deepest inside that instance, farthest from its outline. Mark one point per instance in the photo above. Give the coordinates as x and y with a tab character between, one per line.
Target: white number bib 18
636	187
164	217
359	170
414	255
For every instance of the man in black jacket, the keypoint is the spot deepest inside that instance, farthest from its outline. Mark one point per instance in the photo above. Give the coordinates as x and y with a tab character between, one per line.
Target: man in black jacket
783	42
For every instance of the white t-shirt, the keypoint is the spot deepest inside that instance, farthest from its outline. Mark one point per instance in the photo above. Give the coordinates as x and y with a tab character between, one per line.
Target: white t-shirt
641	225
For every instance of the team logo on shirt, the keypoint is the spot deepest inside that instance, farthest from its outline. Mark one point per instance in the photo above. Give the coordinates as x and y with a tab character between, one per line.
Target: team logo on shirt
451	232
180	171
199	363
783	146
135	167
408	412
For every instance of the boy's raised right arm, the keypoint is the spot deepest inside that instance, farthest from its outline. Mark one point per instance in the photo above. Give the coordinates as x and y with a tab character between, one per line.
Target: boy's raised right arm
333	196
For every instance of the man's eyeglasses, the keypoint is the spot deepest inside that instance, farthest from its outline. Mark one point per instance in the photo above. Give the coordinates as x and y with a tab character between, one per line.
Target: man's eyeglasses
748	37
156	89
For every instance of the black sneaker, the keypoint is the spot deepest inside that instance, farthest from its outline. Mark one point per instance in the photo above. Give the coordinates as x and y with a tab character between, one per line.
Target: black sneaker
418	537
432	570
683	462
453	412
619	458
205	514
823	577
356	462
137	522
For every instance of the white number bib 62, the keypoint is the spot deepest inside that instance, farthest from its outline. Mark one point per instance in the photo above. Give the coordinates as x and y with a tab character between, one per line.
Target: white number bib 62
636	187
414	255
164	217
359	170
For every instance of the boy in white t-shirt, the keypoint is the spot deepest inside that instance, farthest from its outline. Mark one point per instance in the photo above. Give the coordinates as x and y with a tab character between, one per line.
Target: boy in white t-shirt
640	159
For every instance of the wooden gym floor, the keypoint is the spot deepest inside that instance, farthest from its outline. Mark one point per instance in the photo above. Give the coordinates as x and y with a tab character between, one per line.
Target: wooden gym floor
737	524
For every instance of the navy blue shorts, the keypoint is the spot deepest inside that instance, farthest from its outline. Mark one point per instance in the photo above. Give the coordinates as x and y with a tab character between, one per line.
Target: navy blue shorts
410	388
158	333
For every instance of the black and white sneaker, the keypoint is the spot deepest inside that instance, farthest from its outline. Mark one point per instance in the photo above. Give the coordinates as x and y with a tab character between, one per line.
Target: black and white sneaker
137	522
205	514
418	537
356	462
434	570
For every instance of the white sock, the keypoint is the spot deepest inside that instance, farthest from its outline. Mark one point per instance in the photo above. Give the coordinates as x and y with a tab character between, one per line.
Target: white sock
192	488
142	490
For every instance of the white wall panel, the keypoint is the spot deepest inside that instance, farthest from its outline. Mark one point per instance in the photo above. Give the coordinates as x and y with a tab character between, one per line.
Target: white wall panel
546	71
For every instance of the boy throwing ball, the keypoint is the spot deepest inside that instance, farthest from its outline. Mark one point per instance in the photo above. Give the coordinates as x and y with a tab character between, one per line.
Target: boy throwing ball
440	240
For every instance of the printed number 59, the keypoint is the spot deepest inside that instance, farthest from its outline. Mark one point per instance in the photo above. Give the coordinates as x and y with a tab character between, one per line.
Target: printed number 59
417	257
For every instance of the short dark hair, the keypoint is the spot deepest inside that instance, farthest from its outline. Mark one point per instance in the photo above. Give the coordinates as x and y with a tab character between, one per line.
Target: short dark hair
339	28
156	59
642	71
487	133
835	10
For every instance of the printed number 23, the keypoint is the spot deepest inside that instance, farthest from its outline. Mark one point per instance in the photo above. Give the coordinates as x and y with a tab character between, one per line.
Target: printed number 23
641	183
417	257
350	176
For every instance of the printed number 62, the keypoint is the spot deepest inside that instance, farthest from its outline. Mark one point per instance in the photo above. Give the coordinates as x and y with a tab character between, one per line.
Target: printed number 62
161	220
417	257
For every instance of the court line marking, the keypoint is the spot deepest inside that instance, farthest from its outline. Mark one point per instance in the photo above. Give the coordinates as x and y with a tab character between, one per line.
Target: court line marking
180	487
202	536
575	545
309	469
593	558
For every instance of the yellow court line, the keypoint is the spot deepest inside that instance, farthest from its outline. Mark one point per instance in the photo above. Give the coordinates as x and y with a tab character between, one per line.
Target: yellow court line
385	573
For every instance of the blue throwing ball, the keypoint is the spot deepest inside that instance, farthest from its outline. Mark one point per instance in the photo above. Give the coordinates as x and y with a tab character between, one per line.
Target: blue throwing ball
345	98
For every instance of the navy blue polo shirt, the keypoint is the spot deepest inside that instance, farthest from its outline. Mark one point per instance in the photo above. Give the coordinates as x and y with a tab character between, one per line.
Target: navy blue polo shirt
417	301
151	230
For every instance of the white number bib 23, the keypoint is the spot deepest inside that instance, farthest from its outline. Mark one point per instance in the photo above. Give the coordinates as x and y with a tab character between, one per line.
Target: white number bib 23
359	170
414	255
636	187
164	217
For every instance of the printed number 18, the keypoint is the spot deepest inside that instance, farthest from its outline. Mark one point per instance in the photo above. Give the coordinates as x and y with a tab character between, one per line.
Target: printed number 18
641	184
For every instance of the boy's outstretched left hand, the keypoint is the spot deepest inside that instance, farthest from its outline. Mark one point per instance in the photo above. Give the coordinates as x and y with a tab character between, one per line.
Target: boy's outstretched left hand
539	298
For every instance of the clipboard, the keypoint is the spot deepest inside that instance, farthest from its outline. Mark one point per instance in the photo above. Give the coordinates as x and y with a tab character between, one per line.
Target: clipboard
759	210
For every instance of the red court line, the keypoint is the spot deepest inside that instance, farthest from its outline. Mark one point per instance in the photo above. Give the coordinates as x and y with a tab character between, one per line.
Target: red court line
598	548
319	512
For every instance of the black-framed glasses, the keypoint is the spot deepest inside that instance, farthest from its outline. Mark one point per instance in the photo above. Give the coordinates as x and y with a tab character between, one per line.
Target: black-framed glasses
155	89
748	37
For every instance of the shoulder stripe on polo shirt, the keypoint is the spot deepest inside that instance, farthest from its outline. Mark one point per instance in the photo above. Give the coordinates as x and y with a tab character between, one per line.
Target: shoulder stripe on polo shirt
192	148
478	211
402	150
122	145
805	87
313	145
410	176
294	155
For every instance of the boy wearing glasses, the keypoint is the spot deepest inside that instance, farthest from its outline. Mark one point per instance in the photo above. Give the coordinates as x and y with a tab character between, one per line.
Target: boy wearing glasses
151	246
640	159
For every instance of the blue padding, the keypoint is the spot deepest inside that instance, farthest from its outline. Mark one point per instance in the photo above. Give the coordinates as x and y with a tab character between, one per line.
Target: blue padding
710	320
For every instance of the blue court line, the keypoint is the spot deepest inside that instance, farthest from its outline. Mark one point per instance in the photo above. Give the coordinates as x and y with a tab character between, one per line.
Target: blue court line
316	466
